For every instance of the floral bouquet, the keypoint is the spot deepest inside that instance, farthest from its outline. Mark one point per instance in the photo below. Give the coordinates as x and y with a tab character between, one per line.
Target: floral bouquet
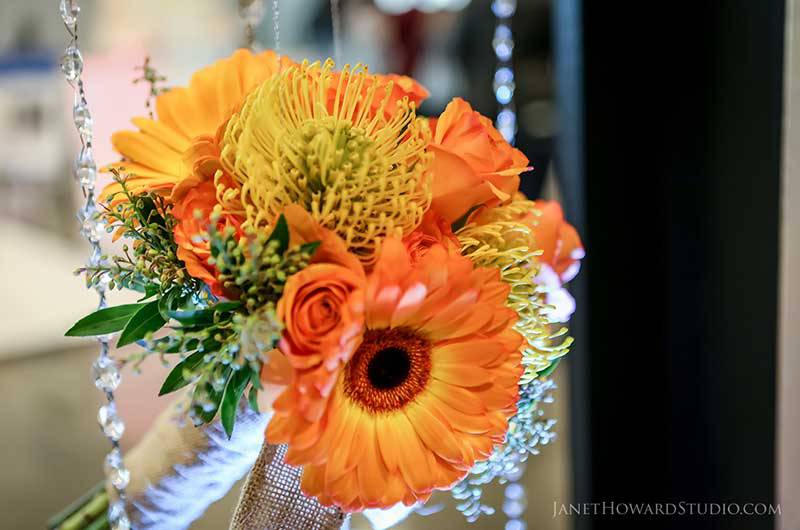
306	244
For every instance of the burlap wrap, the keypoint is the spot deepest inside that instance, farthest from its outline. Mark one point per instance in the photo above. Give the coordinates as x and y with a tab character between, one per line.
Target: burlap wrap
271	499
178	471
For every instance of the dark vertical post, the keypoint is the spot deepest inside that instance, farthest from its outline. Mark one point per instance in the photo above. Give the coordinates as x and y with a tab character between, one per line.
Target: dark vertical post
569	160
683	104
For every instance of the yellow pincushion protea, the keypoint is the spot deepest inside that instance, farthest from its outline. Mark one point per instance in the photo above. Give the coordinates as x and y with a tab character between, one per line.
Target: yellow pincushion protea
329	142
504	238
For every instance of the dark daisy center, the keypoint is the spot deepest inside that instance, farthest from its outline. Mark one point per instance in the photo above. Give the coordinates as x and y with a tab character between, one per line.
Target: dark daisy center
389	368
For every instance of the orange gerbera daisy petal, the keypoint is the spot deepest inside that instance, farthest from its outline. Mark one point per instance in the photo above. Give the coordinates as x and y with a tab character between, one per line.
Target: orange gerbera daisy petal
415	406
154	154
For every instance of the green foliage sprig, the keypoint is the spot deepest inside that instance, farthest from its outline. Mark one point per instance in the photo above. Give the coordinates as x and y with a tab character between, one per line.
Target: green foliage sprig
151	260
221	344
256	267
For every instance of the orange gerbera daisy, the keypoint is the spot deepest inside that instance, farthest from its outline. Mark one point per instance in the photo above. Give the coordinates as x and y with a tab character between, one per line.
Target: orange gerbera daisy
427	393
155	156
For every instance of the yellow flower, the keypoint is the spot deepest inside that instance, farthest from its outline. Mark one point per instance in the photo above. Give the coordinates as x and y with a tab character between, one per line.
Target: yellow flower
316	138
504	238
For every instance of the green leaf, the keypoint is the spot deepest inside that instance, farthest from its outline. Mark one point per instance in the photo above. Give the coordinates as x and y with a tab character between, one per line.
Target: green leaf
214	396
202	317
252	399
310	248
145	320
550	369
134	283
459	223
168	302
104	321
255	379
150	290
233	394
281	234
175	379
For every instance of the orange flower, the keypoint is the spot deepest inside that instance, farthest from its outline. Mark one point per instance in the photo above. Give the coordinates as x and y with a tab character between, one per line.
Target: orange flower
195	195
427	393
473	163
401	87
154	155
433	230
322	309
193	252
560	243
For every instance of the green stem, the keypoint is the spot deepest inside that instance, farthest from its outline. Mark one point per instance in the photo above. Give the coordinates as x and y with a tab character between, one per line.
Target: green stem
101	523
57	520
92	515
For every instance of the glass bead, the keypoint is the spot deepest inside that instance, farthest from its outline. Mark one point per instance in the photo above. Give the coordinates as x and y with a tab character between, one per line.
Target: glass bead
92	225
69	9
504	8
96	257
72	63
117	516
504	93
514	508
503	42
83	120
85	168
119	478
105	374
515	491
112	425
123	523
508	133
504	76
516	524
115	470
505	118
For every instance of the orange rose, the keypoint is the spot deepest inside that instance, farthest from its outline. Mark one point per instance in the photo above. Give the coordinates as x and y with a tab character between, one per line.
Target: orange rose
322	305
560	243
433	230
473	164
321	309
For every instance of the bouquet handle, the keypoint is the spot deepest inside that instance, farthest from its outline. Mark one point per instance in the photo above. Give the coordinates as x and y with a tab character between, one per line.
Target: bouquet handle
271	498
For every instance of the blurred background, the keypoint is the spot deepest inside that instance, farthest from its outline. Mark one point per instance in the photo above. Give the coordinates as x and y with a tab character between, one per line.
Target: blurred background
665	131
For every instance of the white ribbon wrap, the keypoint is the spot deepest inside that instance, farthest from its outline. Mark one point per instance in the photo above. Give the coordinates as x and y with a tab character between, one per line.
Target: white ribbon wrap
178	470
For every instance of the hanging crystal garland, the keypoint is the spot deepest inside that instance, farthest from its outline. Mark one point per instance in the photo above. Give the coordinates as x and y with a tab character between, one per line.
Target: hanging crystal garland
105	370
503	85
506	122
276	27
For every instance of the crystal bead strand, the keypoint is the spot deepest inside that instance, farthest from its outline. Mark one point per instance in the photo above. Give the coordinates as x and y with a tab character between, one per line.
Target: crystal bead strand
506	122
276	27
251	13
503	85
105	370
